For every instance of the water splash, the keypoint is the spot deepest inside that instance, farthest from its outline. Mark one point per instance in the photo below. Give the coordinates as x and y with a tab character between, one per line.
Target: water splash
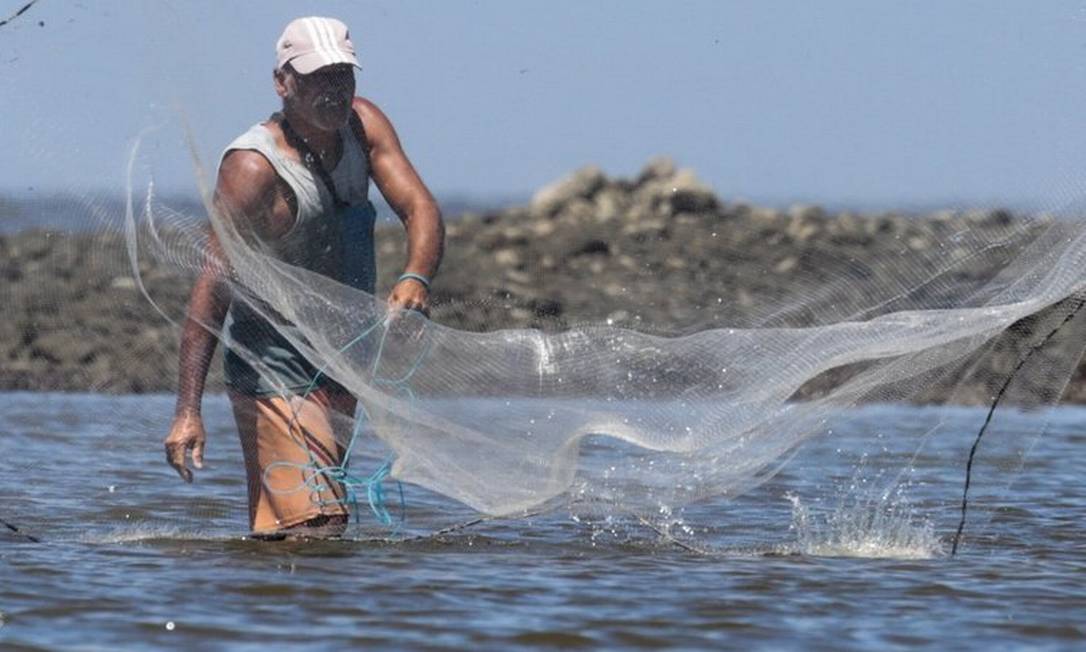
143	533
876	531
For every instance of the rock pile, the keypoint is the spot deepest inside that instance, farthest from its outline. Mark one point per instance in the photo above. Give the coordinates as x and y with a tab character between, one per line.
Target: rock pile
74	320
659	253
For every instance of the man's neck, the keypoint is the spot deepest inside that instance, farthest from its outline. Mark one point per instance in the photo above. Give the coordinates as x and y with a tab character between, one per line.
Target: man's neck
323	143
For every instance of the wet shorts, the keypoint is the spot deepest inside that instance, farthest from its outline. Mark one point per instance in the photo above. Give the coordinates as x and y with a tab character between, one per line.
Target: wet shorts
284	440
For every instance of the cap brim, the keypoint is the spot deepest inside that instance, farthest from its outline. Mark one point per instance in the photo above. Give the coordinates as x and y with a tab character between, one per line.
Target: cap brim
313	61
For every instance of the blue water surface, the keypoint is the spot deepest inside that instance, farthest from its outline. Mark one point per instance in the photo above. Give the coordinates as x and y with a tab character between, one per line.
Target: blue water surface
846	548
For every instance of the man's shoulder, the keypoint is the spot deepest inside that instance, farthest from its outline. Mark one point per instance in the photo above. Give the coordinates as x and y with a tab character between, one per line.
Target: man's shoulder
362	105
378	127
247	183
245	156
368	111
247	165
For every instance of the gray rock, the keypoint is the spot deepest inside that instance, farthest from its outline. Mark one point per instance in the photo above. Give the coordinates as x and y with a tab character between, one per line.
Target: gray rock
508	257
582	184
659	168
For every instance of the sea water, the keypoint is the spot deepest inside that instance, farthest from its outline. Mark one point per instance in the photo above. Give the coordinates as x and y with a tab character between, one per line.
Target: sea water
847	547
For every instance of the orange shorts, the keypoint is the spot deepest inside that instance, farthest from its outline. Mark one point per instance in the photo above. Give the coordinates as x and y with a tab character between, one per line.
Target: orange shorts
284	441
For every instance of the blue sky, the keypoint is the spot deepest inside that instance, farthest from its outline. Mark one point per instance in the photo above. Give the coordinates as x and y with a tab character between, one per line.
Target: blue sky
842	102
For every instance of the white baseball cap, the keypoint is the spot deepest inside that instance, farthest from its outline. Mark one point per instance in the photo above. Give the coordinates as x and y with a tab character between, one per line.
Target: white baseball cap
314	42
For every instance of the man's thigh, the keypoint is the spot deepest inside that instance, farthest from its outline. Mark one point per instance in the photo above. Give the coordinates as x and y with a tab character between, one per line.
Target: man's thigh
289	445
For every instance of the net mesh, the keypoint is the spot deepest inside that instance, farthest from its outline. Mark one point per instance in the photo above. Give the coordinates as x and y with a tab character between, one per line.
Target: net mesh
699	413
781	324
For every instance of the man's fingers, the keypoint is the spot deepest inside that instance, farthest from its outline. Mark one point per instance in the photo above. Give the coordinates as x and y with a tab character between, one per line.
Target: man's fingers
417	301
198	454
417	306
175	456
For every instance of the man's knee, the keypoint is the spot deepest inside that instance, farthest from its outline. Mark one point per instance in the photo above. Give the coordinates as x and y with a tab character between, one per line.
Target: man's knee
325	526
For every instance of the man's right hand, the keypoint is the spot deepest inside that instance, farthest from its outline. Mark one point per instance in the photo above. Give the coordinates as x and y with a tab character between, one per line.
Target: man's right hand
186	434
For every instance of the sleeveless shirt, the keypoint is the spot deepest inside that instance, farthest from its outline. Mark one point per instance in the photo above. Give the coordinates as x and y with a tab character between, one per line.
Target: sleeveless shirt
334	241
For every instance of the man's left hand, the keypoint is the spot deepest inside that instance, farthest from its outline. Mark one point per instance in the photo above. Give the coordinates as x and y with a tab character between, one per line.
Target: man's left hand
410	294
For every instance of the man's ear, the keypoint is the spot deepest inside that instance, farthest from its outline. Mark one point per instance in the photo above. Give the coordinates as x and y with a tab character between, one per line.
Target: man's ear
280	77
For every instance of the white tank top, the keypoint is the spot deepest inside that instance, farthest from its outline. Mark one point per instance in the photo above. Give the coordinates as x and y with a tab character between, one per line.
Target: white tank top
351	174
334	241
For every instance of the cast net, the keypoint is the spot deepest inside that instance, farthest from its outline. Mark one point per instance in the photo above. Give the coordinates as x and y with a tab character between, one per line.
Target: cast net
703	413
781	324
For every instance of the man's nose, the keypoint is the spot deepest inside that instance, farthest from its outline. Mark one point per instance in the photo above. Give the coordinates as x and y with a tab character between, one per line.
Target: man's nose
336	80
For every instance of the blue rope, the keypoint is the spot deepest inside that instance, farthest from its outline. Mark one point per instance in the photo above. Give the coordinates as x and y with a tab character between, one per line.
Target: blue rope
375	493
316	474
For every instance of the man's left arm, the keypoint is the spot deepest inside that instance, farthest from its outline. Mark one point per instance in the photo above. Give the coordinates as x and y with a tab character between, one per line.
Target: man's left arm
411	199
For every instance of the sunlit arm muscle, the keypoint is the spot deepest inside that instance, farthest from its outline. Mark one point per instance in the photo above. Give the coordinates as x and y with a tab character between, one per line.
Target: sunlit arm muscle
406	193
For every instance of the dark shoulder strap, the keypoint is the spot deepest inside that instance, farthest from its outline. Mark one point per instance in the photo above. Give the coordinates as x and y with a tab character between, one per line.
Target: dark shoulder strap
359	130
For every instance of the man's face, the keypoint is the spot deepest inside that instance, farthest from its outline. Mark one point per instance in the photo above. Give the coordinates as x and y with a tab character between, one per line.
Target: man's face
322	98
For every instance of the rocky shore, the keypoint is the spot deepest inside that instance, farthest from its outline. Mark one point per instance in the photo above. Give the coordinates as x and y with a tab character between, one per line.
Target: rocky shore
658	253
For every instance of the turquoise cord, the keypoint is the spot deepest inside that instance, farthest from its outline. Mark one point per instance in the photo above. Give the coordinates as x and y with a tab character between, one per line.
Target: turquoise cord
318	474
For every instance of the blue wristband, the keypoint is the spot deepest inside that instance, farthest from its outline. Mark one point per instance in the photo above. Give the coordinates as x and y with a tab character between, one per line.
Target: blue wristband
415	277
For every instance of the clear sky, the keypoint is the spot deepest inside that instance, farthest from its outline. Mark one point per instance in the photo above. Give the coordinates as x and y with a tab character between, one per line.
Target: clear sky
845	102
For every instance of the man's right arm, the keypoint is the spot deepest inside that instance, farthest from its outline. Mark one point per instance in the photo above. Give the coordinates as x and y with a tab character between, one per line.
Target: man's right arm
208	303
244	195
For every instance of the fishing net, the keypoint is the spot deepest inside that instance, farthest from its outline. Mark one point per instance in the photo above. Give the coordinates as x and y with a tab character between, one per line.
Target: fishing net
783	325
705	413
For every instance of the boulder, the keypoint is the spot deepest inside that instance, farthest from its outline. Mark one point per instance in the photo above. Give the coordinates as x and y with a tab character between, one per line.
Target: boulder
582	184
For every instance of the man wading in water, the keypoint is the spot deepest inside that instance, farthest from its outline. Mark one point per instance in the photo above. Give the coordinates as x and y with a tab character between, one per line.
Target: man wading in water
299	183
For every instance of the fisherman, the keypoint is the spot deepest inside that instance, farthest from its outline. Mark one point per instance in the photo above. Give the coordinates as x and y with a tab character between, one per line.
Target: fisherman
299	183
